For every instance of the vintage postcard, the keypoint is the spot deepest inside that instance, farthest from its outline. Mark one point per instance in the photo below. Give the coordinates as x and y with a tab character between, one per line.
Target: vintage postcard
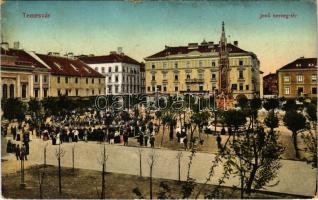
139	99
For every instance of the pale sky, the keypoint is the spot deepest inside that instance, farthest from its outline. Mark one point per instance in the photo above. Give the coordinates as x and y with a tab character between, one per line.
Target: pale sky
144	28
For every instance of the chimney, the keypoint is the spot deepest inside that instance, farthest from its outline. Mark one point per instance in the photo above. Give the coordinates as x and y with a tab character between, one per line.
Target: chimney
91	55
236	43
112	52
166	47
5	46
211	44
16	45
120	50
192	45
70	55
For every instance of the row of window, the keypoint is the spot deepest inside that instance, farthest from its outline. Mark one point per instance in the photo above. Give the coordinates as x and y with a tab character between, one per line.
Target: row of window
127	88
300	78
125	69
200	76
129	79
66	80
200	64
44	78
69	92
299	91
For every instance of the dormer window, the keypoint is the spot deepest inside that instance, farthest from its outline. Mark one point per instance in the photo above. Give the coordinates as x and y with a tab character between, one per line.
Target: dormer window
89	71
76	69
58	66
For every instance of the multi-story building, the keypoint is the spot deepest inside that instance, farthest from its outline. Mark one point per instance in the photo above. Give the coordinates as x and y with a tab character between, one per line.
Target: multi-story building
196	69
298	78
270	84
22	76
71	77
122	73
142	78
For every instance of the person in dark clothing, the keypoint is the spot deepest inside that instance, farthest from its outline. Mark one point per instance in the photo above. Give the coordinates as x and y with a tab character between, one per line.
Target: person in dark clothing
23	154
219	140
222	131
185	142
17	152
146	139
141	139
125	139
152	141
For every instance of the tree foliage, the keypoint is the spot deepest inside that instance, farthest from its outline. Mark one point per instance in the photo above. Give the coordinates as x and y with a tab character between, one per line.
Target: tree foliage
13	109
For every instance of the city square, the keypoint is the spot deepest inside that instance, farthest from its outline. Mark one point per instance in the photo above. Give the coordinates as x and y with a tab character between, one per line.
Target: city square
196	121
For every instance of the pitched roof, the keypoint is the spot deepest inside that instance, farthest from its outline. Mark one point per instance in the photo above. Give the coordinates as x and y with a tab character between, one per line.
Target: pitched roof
301	63
270	75
203	48
111	58
22	57
68	67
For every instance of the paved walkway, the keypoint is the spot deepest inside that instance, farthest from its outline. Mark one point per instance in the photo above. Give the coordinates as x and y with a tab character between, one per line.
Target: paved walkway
294	177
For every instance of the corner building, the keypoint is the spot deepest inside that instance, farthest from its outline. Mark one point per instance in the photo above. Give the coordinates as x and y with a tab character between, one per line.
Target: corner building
195	68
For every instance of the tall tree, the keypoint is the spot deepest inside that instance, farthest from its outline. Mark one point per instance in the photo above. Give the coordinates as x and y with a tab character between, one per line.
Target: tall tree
59	154
271	121
13	109
295	122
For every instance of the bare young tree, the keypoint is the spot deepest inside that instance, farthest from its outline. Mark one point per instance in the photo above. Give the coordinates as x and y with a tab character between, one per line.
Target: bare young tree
44	154
151	162
59	153
179	156
103	161
140	161
73	158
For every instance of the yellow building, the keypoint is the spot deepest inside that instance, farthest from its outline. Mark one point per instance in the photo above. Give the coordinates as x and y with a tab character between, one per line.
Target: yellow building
195	68
298	78
71	77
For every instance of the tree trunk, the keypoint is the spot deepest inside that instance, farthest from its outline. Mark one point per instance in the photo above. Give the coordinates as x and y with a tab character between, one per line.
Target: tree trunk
163	134
140	165
250	180
103	182
150	182
295	144
179	169
60	177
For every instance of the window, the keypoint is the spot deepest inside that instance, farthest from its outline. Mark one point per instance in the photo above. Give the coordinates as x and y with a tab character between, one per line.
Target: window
103	69
234	87
300	78
86	80
93	80
109	69
164	88
58	79
96	68
175	77
153	78
93	91
66	79
109	79
76	92
116	68
116	79
213	64
76	80
44	78
200	76
36	93
188	88
247	87
176	65
66	92
286	79
148	89
176	88
153	66
116	88
314	78
241	74
286	90
300	90
153	88
241	62
110	89
45	92
188	76
164	65
4	91
36	78
159	88
201	88
213	76
241	86
59	92
314	90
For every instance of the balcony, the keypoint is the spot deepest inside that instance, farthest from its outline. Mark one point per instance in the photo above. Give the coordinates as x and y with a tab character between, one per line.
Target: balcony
194	80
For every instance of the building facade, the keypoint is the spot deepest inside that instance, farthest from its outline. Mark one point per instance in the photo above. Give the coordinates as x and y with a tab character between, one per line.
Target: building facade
298	78
196	68
270	84
122	73
71	77
22	76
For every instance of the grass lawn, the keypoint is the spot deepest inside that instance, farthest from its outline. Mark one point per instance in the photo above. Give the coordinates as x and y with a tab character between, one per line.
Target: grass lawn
86	184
